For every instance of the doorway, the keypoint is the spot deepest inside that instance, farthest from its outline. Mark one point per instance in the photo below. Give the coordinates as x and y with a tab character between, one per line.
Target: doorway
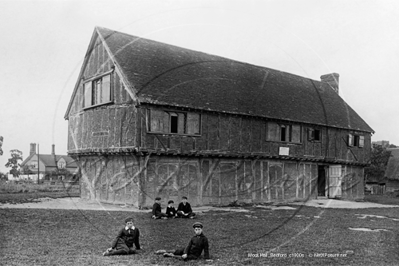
321	181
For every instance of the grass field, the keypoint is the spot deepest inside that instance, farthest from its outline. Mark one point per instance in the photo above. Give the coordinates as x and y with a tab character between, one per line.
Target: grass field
304	236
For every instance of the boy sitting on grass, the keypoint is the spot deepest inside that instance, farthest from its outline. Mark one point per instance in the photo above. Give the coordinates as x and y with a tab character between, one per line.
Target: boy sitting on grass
194	248
157	210
184	209
123	243
170	210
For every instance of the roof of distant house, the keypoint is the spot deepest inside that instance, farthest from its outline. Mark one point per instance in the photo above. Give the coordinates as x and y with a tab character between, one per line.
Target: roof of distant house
51	160
164	74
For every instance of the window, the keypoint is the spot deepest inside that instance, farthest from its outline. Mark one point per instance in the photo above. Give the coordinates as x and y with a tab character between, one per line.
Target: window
61	163
160	121
355	140
97	91
314	134
174	123
33	165
283	132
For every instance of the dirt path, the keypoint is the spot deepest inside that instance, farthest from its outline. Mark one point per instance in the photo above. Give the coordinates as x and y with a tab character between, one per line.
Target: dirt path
74	203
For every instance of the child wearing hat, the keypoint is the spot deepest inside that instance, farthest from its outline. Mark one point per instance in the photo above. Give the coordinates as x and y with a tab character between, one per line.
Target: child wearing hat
193	250
123	243
184	209
157	210
170	210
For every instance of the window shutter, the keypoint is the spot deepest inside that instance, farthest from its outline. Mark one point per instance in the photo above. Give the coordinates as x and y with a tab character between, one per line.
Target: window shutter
87	93
350	140
193	124
182	123
157	121
106	89
273	131
361	141
296	134
310	134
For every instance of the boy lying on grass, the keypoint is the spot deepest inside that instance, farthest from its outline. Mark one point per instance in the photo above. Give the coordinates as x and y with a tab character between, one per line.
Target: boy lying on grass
123	243
194	248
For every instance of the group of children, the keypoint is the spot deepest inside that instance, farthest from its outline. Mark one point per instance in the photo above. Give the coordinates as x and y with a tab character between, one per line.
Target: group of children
129	235
183	210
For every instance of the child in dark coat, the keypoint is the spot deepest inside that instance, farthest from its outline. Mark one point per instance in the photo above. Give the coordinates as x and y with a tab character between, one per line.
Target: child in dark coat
123	243
184	209
157	210
170	210
193	250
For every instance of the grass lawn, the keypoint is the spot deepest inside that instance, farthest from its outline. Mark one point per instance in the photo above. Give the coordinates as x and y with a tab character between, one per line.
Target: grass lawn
311	236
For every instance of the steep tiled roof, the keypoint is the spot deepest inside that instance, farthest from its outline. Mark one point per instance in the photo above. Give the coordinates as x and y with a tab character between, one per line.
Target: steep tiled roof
169	75
392	171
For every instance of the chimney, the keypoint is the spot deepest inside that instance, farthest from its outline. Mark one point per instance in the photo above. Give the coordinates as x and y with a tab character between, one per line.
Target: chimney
53	149
32	148
332	79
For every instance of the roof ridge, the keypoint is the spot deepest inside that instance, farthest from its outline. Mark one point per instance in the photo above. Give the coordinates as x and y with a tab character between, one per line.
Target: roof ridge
209	54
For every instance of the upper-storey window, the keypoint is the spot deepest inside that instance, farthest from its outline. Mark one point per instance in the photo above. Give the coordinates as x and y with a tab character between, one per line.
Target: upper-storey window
97	91
314	134
283	132
160	121
355	140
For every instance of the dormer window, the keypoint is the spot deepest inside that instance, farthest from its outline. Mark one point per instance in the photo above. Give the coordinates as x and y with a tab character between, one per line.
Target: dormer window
61	163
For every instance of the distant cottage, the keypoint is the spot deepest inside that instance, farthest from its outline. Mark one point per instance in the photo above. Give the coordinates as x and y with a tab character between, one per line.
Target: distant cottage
149	119
46	164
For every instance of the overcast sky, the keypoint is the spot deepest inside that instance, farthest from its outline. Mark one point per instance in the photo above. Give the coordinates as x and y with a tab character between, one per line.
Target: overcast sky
43	44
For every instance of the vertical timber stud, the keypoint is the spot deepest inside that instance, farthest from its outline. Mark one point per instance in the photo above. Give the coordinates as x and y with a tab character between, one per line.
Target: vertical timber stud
283	183
200	178
220	186
310	180
304	182
297	181
140	183
253	173
261	181
269	191
236	179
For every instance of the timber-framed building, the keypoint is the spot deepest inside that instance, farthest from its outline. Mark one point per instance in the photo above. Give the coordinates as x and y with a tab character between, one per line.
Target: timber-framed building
150	119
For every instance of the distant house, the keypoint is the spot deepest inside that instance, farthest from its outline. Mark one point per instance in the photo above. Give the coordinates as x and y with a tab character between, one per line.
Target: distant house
382	143
392	171
149	119
48	163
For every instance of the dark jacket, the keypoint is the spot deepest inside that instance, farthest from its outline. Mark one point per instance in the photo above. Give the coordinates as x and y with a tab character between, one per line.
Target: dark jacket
171	211
196	245
184	208
130	237
156	209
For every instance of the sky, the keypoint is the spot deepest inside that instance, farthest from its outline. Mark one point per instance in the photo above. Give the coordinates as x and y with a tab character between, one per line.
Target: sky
43	44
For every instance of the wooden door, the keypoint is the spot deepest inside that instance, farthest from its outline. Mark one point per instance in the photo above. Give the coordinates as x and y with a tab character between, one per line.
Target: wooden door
334	175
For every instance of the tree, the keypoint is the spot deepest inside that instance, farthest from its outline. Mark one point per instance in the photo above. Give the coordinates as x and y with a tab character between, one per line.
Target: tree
13	162
392	146
3	176
1	144
378	163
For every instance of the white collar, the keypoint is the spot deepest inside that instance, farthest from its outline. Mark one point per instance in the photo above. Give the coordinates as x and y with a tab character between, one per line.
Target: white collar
127	228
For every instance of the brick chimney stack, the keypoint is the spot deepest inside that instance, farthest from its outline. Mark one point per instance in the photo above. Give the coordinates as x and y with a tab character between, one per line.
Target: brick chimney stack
32	148
332	79
53	149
